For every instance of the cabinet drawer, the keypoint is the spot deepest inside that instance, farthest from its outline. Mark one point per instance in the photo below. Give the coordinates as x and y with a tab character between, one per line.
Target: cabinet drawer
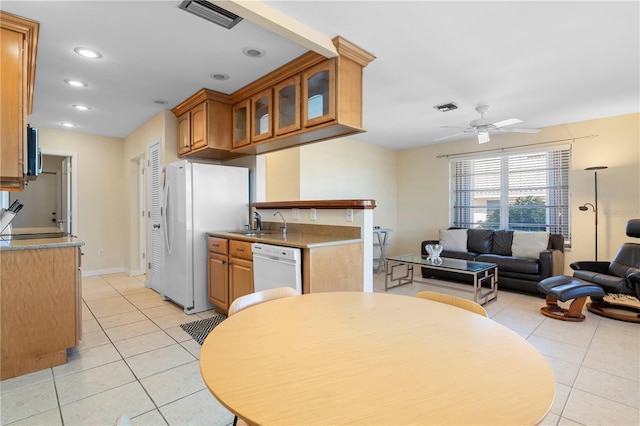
218	245
241	249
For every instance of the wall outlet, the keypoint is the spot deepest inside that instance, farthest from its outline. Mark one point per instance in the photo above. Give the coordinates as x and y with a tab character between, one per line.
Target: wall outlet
295	214
314	216
101	252
349	215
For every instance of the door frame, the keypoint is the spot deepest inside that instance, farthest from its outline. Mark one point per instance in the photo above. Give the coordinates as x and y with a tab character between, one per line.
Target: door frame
73	196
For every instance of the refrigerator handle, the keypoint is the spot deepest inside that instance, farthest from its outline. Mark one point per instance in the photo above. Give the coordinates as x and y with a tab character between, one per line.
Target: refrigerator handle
164	218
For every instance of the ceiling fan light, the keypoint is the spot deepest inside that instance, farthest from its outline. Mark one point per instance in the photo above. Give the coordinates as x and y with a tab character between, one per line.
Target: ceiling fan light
483	137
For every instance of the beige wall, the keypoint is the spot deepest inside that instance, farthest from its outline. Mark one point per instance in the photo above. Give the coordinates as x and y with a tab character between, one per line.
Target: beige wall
283	175
336	169
410	187
423	187
162	127
100	195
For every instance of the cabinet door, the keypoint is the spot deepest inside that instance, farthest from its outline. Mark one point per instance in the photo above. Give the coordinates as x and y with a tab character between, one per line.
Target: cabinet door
319	94
241	124
12	108
219	280
287	106
184	133
261	126
199	126
240	278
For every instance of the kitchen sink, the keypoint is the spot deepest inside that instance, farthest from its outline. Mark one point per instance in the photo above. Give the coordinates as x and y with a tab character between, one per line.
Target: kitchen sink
253	233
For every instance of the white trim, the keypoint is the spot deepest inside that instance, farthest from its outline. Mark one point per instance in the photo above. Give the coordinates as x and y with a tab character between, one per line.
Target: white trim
74	184
104	272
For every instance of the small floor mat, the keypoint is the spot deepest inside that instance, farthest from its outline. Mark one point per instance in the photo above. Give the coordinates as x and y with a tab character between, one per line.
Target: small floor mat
199	330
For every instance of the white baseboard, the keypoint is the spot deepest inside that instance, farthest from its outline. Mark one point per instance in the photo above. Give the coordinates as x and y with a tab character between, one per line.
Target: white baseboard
103	272
136	272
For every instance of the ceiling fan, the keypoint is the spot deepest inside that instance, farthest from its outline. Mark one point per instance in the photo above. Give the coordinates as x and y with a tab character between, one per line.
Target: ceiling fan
482	127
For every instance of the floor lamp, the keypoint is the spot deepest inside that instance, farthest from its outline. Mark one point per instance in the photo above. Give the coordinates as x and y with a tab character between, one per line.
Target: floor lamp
595	208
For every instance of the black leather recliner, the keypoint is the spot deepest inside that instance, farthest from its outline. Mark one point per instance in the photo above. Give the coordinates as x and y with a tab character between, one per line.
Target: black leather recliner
618	277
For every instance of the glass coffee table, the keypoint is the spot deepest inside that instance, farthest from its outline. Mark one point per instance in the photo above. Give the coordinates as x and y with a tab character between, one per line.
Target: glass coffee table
399	272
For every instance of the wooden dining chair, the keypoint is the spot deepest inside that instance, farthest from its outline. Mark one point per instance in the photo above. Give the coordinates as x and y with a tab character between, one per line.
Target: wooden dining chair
459	302
251	299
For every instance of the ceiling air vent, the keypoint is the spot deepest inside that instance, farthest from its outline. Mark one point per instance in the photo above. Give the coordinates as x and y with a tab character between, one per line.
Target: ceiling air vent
446	107
211	12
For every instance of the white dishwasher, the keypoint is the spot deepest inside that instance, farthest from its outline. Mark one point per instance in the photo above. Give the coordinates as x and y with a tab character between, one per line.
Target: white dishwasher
276	266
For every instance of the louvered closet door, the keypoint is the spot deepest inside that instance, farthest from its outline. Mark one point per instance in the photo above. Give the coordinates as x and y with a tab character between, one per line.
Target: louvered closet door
154	232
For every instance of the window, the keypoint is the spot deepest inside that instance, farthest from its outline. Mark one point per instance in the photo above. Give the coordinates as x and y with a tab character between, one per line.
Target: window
525	191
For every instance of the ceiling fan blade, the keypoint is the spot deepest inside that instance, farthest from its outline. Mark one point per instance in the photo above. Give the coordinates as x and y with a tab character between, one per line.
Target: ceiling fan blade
519	130
507	122
449	137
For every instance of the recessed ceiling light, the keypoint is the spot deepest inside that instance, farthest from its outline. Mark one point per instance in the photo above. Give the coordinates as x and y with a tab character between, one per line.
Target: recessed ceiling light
76	83
87	53
81	107
219	76
253	52
67	124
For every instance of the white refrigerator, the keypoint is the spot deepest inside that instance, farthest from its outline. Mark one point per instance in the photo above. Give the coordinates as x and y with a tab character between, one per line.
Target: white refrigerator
196	198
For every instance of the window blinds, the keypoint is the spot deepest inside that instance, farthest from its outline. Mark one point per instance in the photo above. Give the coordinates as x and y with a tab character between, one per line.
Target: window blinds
518	191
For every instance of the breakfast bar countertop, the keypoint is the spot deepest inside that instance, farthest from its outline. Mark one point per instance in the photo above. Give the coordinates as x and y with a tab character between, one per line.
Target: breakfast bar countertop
302	240
37	238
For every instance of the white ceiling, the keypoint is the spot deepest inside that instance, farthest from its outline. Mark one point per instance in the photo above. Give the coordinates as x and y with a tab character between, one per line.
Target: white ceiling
544	62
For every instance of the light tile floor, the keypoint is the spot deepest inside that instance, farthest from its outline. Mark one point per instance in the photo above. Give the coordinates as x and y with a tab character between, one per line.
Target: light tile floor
134	359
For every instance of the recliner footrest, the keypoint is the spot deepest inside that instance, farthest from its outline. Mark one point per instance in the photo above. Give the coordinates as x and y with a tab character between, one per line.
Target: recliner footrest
565	288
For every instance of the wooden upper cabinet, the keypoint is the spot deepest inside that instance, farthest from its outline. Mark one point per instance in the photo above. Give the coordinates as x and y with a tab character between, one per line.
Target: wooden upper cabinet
319	94
286	106
241	127
18	47
205	126
261	116
309	99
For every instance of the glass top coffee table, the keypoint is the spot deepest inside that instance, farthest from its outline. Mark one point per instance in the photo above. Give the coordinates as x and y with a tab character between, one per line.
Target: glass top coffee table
485	275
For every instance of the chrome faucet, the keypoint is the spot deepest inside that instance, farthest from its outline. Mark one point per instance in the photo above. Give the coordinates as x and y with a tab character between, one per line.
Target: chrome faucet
258	218
284	228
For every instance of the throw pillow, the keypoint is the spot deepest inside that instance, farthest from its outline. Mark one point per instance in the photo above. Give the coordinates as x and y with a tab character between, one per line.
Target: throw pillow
529	244
454	240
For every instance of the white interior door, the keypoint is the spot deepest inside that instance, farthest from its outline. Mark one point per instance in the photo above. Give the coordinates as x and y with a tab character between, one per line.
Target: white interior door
156	244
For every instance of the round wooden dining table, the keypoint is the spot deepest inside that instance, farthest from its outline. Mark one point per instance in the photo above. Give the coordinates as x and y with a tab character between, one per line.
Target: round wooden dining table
348	358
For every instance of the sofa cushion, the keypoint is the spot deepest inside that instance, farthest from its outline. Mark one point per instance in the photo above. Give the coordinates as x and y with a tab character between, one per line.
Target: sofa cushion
479	240
511	264
502	240
529	244
454	239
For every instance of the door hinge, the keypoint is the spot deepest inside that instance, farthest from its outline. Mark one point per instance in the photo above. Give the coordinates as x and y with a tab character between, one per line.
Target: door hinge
149	265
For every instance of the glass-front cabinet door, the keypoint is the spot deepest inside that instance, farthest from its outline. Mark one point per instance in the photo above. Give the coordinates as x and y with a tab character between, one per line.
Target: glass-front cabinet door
318	94
261	127
241	124
287	106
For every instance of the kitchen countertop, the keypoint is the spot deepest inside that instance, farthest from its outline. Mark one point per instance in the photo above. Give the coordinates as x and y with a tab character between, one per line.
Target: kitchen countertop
37	238
302	240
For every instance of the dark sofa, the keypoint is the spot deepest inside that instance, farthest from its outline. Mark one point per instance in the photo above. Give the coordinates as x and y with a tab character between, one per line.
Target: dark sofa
514	273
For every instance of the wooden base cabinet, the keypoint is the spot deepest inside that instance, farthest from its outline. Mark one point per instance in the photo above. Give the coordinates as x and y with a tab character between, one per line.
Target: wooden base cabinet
230	271
41	308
